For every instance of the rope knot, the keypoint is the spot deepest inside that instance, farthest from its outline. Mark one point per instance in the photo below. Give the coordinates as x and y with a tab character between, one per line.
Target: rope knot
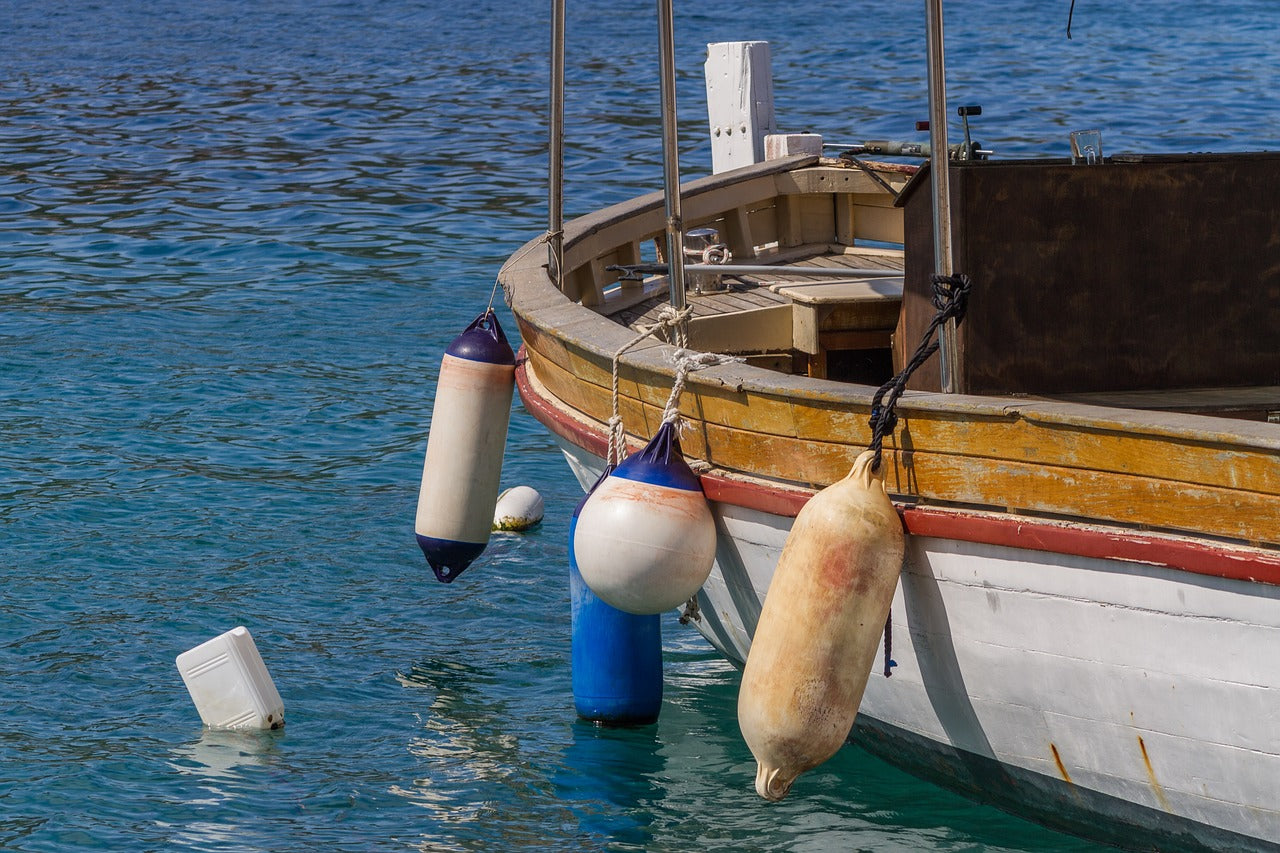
951	295
669	317
951	299
883	419
685	362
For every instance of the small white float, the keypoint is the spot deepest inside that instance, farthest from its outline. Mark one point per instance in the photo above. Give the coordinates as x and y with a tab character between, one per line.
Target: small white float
518	508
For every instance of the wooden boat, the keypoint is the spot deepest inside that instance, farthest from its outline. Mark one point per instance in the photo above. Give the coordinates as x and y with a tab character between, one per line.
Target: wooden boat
1087	624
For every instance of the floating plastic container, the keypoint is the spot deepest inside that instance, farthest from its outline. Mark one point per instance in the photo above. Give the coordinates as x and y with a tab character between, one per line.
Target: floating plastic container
230	684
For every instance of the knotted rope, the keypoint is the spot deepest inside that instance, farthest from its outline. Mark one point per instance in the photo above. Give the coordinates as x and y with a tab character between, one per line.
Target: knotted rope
685	362
668	318
951	299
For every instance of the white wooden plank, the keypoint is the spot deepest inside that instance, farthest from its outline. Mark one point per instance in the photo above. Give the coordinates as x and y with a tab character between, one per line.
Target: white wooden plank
739	80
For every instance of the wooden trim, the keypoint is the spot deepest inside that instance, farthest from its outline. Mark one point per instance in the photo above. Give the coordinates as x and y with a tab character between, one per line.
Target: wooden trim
1018	434
1194	556
1015	455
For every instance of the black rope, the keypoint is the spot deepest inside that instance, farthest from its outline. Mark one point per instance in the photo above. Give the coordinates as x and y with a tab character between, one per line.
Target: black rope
951	299
889	662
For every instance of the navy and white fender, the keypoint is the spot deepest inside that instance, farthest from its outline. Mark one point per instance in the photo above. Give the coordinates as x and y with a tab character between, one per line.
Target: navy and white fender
645	539
464	447
617	657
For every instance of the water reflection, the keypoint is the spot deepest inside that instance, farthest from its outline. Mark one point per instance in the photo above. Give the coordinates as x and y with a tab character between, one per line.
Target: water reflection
219	759
610	780
472	770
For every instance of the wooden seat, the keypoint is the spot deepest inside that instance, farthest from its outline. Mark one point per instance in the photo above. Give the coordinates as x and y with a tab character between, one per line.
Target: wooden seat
842	314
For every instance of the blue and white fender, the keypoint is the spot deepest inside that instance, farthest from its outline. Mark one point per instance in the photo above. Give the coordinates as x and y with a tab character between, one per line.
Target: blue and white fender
617	657
464	447
645	539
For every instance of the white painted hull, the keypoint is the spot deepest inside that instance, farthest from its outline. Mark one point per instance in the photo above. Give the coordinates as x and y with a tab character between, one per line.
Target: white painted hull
1078	686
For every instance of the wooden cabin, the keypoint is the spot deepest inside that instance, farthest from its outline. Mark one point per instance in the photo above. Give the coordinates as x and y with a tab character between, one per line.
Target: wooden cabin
1094	283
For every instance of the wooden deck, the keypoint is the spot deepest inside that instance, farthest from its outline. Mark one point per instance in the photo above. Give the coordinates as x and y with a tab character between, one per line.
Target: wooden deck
797	320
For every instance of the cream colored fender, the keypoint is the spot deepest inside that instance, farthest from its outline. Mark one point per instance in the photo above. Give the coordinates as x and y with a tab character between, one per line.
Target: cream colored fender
463	465
819	628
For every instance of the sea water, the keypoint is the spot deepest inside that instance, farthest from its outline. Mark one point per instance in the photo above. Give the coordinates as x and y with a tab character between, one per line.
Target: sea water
235	238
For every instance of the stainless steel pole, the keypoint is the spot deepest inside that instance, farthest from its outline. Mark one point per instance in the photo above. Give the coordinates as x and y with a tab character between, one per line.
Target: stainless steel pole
940	177
671	154
555	156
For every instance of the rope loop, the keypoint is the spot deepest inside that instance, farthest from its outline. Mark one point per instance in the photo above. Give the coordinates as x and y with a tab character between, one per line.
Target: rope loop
668	318
951	295
717	253
686	361
950	298
617	441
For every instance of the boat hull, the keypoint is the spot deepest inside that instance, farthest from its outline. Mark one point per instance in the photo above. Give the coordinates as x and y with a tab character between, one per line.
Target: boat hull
1102	696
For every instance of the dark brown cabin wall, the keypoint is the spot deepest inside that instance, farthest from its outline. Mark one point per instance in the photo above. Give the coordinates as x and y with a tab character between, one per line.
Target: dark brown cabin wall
1156	272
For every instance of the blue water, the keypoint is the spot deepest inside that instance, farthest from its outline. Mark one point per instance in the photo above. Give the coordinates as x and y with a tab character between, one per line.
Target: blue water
235	238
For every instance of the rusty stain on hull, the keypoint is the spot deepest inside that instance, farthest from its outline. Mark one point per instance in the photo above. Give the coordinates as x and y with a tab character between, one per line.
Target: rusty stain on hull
1156	787
1062	768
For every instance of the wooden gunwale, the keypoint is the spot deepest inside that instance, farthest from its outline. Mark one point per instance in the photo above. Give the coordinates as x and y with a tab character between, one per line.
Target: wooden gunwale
1146	469
1216	559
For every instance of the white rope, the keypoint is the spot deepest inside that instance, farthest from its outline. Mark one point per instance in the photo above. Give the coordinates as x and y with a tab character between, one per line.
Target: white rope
668	317
686	361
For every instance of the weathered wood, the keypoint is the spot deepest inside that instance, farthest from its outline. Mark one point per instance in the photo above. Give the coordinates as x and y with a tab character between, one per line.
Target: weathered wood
755	185
753	330
737	233
787	222
840	306
739	82
1142	273
828	180
778	145
846	217
875	218
1038	432
1130	477
817	218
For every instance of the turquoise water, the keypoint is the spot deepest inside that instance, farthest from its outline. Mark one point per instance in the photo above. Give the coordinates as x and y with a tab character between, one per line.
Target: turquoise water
234	240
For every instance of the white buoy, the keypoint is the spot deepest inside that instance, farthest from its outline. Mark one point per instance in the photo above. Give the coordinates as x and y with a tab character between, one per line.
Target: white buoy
518	508
645	539
464	448
230	684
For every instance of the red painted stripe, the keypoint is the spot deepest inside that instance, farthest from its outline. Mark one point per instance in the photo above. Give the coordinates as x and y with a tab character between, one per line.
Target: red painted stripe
1191	555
